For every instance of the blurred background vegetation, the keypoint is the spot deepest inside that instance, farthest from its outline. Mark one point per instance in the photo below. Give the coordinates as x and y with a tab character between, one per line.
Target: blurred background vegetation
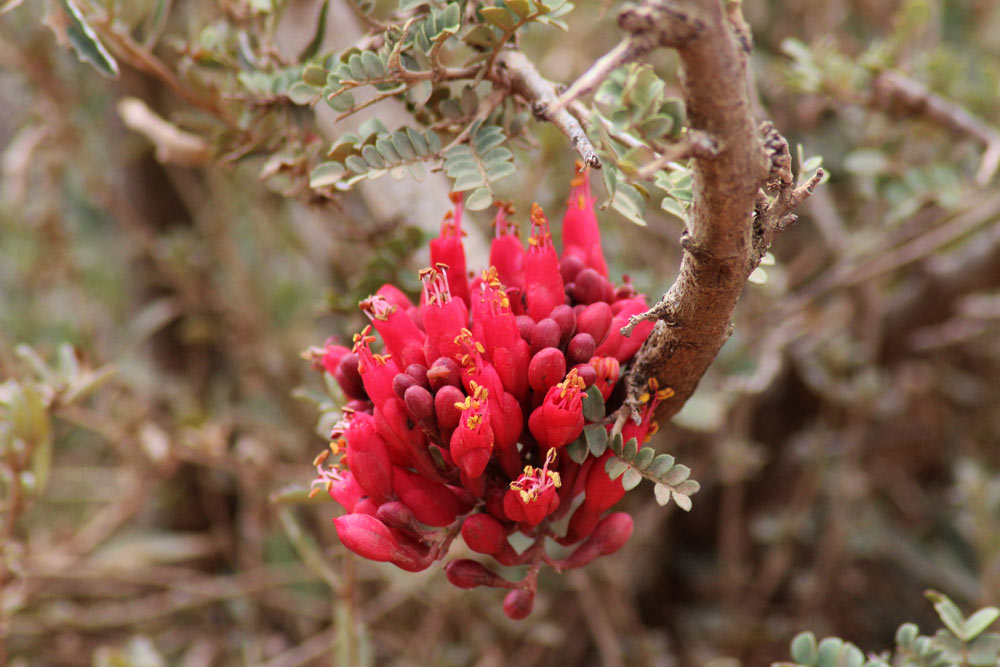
152	317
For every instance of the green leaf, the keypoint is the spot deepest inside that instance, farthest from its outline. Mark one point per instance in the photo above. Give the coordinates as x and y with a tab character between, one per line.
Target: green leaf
302	93
674	207
356	164
520	7
617	444
481	36
387	150
499	17
984	650
978	622
628	453
643	458
418	171
433	141
597	439
804	649
421	92
85	42
501	170
373	158
357	68
615	467
593	404
630	203
469	101
906	634
326	174
479	199
315	75
662	494
948	612
488	138
660	465
688	487
829	651
577	450
467	181
403	145
631	479
342	102
676	475
372	64
418	141
450	19
682	501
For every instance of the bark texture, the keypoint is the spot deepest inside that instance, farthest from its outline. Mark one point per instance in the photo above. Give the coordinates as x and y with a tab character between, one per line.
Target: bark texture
722	241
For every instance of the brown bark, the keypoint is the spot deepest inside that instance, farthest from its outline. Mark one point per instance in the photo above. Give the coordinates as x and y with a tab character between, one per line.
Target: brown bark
724	240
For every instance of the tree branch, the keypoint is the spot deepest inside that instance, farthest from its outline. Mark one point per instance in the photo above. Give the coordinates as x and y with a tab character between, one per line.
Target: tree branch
518	74
896	90
719	249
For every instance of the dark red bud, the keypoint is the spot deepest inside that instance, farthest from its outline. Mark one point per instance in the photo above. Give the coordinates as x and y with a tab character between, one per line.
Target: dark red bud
444	372
466	573
444	406
419	403
587	373
589	286
401	383
484	534
569	266
566	319
596	320
396	515
518	603
348	377
419	373
366	505
546	368
525	325
610	535
545	334
581	349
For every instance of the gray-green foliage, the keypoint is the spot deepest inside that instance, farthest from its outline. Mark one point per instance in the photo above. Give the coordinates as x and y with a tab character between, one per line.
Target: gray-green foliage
631	462
963	642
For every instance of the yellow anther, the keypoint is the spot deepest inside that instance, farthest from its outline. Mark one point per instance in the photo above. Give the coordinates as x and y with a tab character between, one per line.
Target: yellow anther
321	457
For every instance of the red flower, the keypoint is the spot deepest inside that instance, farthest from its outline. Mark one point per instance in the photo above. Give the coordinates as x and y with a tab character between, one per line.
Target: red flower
532	496
439	425
558	420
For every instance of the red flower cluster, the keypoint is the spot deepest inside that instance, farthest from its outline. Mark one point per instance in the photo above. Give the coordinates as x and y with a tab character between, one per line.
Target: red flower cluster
459	425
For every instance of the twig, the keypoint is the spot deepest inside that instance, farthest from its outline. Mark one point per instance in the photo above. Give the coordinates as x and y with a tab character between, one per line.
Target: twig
518	74
653	24
692	144
894	90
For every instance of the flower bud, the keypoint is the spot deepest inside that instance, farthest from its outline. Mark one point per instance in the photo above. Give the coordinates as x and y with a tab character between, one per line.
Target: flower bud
467	573
397	515
544	334
433	504
484	534
566	319
506	251
366	536
569	266
610	535
401	383
519	603
589	286
581	233
581	348
444	407
595	319
368	457
546	368
419	403
444	372
347	376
